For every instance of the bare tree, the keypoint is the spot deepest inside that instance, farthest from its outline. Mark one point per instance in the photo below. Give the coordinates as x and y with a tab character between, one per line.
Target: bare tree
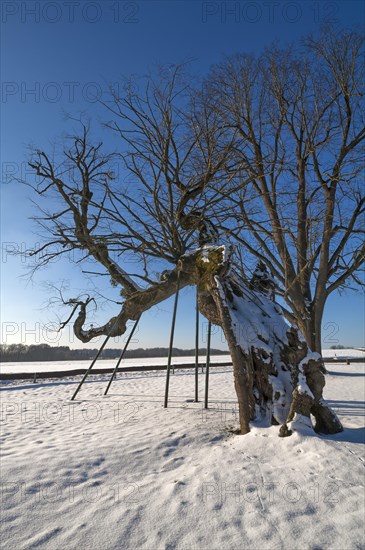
171	156
299	120
179	156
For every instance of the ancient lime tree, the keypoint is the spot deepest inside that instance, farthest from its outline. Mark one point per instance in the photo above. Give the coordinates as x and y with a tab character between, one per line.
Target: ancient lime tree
183	169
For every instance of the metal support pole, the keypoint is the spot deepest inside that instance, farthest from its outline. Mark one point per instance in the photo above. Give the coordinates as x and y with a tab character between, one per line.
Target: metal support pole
171	340
94	360
122	355
196	348
207	365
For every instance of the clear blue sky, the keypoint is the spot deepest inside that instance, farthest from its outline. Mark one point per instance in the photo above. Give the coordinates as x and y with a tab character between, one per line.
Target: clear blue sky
55	56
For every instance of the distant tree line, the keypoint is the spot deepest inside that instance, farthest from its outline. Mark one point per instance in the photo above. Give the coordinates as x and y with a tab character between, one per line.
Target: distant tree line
45	352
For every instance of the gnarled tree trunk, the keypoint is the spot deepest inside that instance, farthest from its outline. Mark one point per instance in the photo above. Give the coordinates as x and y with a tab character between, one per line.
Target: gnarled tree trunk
276	376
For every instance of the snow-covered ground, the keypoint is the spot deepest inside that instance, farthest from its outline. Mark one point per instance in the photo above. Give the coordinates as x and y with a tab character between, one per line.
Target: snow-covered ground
123	472
44	366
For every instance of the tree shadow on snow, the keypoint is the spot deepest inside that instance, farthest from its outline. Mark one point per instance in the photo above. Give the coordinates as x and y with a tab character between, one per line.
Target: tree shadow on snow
348	409
350	435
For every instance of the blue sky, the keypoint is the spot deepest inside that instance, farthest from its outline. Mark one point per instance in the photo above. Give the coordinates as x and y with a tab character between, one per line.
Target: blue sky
57	56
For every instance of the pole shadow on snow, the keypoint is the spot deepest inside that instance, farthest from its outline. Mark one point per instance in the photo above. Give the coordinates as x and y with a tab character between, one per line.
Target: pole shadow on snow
349	435
347	408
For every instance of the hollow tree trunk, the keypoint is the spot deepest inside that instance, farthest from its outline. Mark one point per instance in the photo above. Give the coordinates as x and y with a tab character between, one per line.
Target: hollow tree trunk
276	376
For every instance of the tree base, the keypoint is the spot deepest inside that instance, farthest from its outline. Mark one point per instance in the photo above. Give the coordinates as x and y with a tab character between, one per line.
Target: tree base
275	374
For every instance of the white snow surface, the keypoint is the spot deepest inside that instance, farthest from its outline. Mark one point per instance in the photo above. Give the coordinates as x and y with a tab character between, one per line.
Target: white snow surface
123	472
256	321
343	353
44	366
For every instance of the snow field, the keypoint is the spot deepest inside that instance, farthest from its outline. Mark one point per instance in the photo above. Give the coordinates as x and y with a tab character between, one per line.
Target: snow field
123	472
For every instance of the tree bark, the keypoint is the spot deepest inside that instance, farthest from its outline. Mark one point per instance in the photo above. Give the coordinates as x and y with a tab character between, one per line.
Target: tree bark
311	326
242	365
